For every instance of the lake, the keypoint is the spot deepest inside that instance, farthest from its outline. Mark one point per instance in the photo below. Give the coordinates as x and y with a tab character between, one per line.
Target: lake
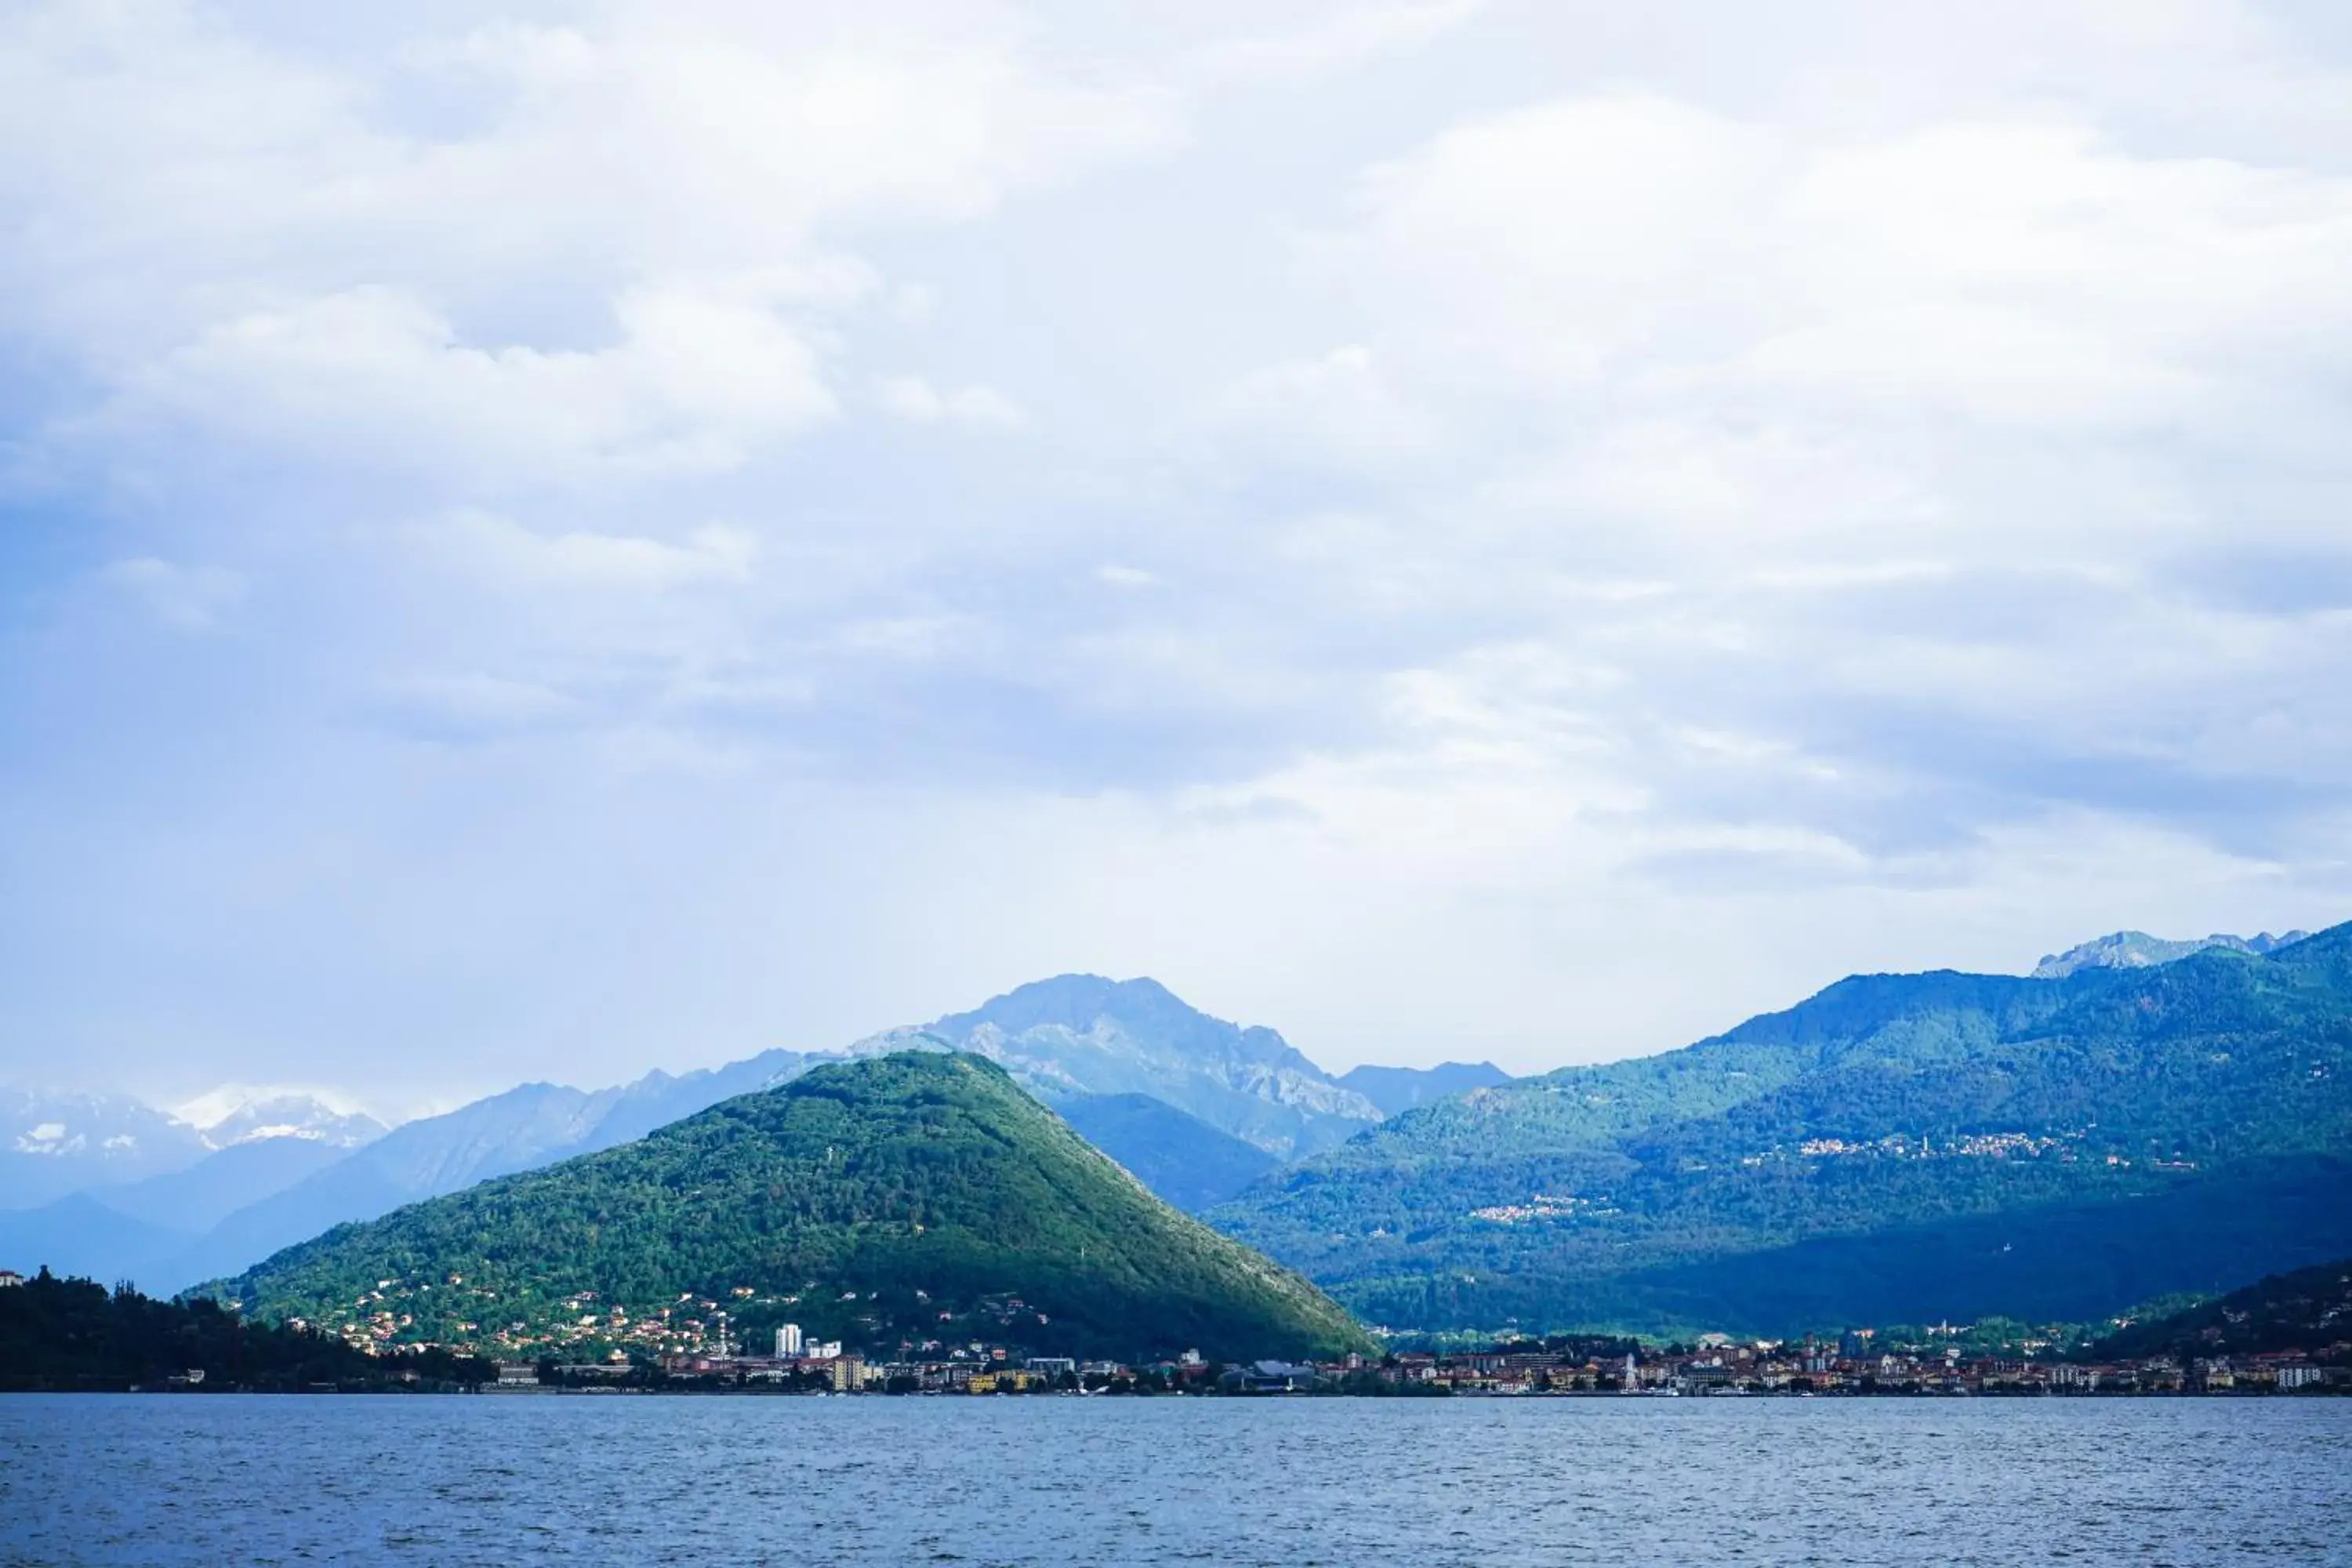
219	1479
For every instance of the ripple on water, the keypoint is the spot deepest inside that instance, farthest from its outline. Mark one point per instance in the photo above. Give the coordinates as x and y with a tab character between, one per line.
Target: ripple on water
1057	1483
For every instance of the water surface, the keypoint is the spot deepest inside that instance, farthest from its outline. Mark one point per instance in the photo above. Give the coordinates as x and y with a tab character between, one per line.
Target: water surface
220	1480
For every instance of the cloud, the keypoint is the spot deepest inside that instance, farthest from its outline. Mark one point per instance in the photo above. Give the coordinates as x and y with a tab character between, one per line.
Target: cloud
185	598
1333	41
912	398
1400	519
372	379
614	263
502	553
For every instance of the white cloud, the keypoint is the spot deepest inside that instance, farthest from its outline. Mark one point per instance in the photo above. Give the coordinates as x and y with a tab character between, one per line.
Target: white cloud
186	598
373	380
619	268
1333	41
1505	497
504	553
911	397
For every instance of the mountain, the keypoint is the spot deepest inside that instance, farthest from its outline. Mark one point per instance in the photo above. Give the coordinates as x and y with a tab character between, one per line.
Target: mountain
2138	950
1184	1160
79	1234
533	1125
1906	1147
1066	1039
234	1114
143	1230
913	1197
1397	1089
2309	1309
193	1200
658	1098
1083	1034
524	1127
52	1143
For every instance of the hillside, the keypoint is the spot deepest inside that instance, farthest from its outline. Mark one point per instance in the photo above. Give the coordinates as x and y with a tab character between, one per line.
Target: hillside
2309	1309
1897	1140
914	1196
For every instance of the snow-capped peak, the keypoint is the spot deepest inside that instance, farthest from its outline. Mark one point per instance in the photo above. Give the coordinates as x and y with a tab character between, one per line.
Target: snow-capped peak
243	1113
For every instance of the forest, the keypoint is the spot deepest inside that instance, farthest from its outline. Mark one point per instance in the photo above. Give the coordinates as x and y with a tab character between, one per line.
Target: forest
62	1334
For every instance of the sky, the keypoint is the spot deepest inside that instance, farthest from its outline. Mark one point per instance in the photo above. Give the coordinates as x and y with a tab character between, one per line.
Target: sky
546	539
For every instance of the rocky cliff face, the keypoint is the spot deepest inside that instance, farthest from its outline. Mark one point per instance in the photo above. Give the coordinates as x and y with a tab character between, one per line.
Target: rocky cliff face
1082	1035
2138	950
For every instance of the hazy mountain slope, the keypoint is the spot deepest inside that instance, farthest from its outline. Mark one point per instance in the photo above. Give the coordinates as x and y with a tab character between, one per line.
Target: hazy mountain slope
1180	1158
659	1099
928	1185
79	1234
1399	1090
1081	1033
421	1159
1884	1103
193	1200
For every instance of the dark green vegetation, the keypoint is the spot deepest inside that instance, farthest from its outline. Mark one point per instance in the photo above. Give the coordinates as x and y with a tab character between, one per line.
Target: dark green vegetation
1899	1147
1183	1159
2309	1309
66	1334
897	1199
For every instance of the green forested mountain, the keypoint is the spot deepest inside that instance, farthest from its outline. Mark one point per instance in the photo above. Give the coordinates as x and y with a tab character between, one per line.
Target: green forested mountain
2309	1309
898	1199
1898	1146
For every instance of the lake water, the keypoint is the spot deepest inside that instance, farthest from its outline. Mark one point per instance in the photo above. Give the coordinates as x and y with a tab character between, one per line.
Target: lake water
215	1480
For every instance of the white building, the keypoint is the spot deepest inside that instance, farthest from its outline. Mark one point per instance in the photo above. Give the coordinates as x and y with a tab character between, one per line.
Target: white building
788	1341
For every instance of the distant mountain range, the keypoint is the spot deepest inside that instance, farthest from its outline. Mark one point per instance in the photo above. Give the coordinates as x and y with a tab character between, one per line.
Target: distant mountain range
1224	1104
896	1199
1397	1089
2138	950
1082	1035
56	1143
1899	1148
2142	1116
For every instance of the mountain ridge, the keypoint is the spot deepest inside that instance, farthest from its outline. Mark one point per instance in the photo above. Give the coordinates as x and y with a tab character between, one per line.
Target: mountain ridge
2138	950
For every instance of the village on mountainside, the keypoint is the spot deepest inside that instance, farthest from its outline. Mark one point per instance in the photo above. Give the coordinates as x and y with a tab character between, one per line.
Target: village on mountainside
1847	1368
1858	1363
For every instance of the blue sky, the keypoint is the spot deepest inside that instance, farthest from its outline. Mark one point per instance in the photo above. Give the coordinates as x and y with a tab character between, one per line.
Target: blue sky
545	539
